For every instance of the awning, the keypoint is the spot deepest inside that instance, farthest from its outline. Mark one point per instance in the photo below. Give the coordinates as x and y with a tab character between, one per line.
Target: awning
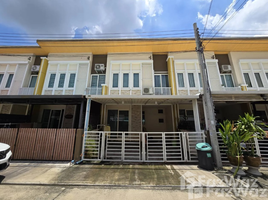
142	100
42	99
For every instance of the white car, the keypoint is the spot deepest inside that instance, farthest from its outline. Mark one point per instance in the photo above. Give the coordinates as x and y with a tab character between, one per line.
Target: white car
5	156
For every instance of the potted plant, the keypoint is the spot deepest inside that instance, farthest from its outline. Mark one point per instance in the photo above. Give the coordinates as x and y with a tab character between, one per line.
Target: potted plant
232	139
253	131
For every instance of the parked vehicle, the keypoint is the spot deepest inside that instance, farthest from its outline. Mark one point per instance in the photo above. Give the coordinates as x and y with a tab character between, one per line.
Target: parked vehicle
5	156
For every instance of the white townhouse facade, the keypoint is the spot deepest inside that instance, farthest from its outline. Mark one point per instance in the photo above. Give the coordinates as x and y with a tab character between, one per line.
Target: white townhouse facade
121	91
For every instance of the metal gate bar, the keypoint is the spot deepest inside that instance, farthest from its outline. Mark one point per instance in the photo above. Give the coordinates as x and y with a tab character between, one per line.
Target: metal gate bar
141	146
91	145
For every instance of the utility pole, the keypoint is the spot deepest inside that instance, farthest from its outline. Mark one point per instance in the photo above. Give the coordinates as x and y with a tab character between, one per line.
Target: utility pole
207	100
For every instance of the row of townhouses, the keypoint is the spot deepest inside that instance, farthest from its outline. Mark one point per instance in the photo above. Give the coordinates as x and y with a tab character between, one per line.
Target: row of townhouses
134	85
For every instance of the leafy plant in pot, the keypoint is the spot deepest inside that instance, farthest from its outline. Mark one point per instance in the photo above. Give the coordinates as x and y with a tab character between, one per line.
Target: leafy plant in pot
254	131
232	139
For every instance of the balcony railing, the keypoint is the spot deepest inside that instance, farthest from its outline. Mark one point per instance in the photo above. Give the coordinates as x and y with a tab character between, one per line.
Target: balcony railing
162	90
233	89
26	91
94	91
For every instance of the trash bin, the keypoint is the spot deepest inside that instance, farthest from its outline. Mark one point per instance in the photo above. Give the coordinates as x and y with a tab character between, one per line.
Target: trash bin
204	153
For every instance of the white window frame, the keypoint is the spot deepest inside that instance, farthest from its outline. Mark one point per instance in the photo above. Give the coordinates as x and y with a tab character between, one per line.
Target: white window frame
8	74
252	72
120	72
125	88
31	79
68	79
67	73
2	78
98	75
161	79
112	81
225	79
185	73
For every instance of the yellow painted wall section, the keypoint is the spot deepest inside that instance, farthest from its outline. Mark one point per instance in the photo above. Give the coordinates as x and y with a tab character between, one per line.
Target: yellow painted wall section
171	76
104	90
41	77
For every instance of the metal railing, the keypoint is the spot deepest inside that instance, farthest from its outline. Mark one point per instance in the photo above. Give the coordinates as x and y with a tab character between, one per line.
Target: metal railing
261	149
93	91
26	91
231	89
141	146
162	90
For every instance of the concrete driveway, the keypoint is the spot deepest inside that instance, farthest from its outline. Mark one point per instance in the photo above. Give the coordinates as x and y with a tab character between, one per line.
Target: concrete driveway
51	180
64	173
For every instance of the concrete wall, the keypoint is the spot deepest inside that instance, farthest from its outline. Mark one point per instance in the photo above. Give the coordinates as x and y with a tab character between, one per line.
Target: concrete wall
152	117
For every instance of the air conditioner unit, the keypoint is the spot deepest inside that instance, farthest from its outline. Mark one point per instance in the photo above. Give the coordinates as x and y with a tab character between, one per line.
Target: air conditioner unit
226	68
35	68
148	91
99	68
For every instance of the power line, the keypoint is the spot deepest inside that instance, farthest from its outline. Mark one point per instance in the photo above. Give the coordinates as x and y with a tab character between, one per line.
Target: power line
244	2
226	12
119	33
207	17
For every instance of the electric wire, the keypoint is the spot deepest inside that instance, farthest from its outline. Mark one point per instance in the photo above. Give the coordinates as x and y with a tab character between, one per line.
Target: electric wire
243	3
207	17
223	16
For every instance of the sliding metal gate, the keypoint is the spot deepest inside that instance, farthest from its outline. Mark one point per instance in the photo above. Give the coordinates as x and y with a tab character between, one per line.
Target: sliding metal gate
141	146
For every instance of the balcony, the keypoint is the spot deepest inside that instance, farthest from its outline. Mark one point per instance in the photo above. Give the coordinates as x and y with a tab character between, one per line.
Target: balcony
26	91
94	91
162	90
231	89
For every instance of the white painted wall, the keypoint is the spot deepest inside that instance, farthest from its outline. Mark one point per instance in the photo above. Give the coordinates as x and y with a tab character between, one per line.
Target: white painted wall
20	66
67	64
235	58
134	58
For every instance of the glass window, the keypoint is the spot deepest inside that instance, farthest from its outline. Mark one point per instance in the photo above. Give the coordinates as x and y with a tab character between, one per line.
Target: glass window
258	78
180	80
191	79
71	81
165	81
101	80
115	80
1	78
61	81
247	79
161	80
200	80
9	80
94	81
229	80
157	81
125	80
32	81
136	80
51	80
223	80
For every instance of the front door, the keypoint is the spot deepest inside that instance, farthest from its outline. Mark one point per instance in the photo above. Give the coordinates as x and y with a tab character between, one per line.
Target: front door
118	120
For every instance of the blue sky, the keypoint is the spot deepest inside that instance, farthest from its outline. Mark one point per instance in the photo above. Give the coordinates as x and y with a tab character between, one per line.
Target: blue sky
22	22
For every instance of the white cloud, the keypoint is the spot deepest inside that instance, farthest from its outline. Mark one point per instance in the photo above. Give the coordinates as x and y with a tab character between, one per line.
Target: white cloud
253	17
64	17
